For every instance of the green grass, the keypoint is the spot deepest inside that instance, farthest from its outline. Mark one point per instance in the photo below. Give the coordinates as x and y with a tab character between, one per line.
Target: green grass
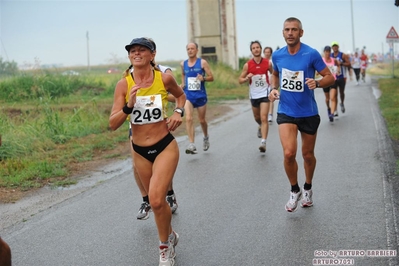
389	100
49	122
389	105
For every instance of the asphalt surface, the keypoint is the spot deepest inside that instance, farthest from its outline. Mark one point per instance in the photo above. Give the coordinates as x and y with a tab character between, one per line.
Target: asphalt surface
231	202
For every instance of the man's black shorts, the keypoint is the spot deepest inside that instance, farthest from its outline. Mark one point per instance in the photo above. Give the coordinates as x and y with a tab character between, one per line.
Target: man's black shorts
256	102
308	125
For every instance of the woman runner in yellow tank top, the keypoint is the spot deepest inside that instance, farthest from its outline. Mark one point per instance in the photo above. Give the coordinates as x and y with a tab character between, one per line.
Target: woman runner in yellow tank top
156	151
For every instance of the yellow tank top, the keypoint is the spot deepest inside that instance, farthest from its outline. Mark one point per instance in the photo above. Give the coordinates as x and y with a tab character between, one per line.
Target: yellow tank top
157	88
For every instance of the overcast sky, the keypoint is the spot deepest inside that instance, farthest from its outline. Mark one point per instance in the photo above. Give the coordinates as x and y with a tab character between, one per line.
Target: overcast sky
54	31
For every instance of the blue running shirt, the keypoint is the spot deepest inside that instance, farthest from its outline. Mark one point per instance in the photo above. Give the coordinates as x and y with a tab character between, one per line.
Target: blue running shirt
195	90
296	99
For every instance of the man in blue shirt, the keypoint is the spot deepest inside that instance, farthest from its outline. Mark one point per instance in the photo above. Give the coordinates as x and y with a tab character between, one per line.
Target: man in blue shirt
294	68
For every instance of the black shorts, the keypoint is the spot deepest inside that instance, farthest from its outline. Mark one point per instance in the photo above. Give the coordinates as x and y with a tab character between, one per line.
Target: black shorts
256	102
329	88
340	83
308	125
151	152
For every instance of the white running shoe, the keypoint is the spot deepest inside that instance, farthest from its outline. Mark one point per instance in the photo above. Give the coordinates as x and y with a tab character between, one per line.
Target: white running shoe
206	143
259	133
172	202
191	149
292	203
166	255
144	211
174	240
270	119
307	200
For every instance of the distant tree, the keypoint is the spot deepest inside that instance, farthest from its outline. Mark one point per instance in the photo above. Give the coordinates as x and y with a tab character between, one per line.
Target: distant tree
115	60
8	68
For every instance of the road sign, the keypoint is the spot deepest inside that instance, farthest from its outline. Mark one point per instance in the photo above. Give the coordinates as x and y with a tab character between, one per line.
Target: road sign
392	36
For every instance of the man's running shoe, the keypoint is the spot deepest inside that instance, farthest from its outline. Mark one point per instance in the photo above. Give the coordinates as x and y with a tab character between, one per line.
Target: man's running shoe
174	240
270	118
307	198
191	149
144	210
171	199
166	255
259	132
342	107
262	147
206	143
292	203
331	117
328	111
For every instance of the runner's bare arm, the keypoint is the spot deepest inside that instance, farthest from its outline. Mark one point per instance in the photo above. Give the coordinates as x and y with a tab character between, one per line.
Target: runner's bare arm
244	76
118	117
327	80
183	76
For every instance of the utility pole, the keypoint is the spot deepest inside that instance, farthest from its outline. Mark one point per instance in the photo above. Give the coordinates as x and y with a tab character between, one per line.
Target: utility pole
88	53
353	29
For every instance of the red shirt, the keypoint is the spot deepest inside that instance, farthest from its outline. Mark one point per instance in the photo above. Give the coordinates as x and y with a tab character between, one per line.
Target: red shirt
259	69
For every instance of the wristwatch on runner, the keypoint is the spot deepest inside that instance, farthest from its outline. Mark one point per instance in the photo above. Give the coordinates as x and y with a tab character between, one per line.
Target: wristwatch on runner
179	110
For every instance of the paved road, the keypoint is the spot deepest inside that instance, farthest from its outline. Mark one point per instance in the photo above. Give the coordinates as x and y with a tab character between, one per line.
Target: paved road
232	201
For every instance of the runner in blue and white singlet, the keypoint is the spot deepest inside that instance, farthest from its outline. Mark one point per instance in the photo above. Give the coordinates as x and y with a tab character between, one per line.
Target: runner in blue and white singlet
195	89
343	63
195	72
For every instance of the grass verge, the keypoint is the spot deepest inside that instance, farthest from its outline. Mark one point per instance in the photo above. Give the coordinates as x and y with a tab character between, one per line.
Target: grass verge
388	83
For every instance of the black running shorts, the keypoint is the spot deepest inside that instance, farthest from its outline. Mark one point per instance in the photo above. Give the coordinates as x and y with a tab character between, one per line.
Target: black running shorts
308	125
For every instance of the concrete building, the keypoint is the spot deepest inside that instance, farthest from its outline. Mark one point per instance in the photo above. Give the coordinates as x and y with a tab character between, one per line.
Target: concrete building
212	25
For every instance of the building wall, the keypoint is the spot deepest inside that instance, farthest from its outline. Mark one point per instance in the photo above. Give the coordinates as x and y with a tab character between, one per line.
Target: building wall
211	24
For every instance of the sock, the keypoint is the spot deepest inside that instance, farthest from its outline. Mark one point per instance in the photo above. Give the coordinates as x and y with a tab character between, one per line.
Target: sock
263	141
206	138
295	188
164	243
307	186
146	199
171	192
